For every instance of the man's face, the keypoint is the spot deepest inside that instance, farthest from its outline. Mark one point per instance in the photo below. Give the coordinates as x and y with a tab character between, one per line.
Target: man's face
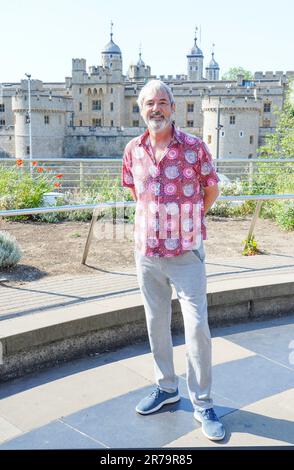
157	110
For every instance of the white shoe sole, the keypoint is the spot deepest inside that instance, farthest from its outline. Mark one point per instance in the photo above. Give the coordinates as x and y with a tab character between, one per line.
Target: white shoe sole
165	402
218	438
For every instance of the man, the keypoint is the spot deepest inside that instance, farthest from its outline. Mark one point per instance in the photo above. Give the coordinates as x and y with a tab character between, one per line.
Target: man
172	178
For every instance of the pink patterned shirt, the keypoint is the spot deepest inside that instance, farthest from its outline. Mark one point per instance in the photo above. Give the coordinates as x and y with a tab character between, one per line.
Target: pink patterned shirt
170	209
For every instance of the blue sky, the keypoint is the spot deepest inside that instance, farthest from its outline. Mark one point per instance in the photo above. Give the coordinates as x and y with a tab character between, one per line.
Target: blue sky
41	37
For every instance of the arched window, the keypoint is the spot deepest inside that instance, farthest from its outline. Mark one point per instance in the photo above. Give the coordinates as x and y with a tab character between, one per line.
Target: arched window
95	91
89	91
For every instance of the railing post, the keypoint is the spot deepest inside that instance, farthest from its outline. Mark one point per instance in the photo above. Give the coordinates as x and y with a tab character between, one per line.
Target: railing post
90	234
254	219
81	175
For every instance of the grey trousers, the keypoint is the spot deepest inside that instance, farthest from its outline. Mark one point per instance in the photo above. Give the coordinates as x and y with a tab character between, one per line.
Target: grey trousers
187	273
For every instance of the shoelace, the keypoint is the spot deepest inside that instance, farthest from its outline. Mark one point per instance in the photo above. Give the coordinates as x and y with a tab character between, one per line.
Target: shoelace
209	414
155	393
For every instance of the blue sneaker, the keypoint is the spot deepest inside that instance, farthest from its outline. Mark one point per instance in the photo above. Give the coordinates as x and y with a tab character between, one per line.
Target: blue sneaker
212	428
156	400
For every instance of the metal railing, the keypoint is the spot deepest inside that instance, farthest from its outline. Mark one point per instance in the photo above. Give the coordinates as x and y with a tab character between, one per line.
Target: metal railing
97	208
81	173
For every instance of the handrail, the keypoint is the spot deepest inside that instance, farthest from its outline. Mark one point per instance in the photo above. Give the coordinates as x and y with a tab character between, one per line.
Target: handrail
104	205
260	198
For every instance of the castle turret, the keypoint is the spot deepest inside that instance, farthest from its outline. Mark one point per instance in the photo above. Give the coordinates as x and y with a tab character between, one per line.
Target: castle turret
111	55
195	62
212	71
139	71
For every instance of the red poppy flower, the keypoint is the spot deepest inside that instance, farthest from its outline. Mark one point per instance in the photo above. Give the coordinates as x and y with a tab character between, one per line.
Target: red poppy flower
40	169
35	163
60	175
57	185
19	162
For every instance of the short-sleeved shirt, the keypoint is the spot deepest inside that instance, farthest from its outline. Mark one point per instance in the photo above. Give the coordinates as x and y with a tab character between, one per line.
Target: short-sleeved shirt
169	217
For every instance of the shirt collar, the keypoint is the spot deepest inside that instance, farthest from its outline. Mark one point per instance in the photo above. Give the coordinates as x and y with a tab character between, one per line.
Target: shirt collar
176	135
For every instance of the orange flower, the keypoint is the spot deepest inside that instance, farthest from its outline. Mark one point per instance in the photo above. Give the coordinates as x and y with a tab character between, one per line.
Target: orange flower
48	169
57	185
19	162
60	175
35	163
40	169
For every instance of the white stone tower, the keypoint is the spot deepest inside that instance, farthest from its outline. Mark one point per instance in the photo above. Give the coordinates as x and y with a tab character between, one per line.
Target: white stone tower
111	55
212	70
231	125
195	62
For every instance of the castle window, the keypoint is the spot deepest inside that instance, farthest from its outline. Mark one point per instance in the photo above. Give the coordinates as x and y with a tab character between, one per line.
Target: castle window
135	123
190	123
96	122
250	155
223	133
80	91
80	106
190	107
232	119
96	105
266	123
2	122
28	150
46	119
251	139
266	107
111	90
81	123
2	107
209	139
111	123
241	133
135	108
111	106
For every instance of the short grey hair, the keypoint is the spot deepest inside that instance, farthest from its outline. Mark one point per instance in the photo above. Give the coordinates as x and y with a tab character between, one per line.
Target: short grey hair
154	85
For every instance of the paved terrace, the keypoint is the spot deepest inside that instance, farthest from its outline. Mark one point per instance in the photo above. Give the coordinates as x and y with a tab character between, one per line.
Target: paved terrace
89	402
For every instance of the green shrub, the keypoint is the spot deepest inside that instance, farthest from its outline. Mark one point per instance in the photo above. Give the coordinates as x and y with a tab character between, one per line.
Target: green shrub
10	252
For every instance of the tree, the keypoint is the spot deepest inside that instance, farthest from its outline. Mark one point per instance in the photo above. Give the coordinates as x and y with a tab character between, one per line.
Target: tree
281	143
233	72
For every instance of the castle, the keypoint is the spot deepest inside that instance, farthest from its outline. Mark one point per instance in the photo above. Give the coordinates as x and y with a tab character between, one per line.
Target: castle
95	112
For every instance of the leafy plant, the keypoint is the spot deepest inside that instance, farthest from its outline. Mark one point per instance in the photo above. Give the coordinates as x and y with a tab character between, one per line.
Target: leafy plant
250	247
10	252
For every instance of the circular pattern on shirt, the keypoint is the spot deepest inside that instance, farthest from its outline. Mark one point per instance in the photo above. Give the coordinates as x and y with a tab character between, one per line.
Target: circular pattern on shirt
171	172
152	206
188	172
153	171
188	190
191	139
153	224
205	169
187	225
170	189
139	185
211	182
190	156
187	207
171	243
170	225
128	179
152	242
172	208
138	170
139	153
154	187
187	243
172	154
